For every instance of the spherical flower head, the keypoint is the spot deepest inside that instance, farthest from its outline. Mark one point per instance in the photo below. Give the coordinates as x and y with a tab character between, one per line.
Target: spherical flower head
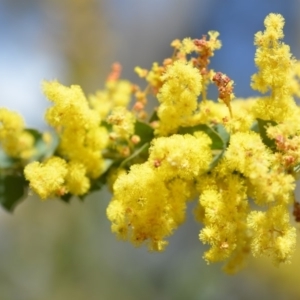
77	183
26	145
11	123
273	235
247	154
242	119
185	156
139	209
90	158
47	179
179	77
278	111
71	107
15	141
113	175
274	31
123	122
96	138
20	146
274	26
178	96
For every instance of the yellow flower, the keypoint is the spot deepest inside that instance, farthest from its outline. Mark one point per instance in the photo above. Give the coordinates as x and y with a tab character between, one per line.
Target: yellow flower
224	212
123	122
178	96
249	156
77	183
81	136
273	235
70	107
275	72
15	141
47	179
183	156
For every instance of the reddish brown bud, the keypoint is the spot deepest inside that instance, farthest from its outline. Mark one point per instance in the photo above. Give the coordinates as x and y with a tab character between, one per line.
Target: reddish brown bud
157	163
115	73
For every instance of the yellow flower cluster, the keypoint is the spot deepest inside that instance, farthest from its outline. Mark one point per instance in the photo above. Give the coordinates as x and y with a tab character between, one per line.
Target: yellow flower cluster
239	157
149	202
178	96
247	170
81	136
276	70
122	121
55	177
244	197
15	141
81	141
223	209
274	236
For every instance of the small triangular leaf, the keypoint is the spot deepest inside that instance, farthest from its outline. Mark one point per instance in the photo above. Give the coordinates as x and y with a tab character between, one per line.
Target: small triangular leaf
217	141
221	130
216	159
66	197
154	116
262	126
144	131
12	190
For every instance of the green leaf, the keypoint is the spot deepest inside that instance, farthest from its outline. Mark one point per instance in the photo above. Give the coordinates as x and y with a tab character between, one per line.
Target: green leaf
108	126
216	159
107	164
261	127
134	155
12	190
66	197
221	130
96	184
144	131
255	127
154	116
217	141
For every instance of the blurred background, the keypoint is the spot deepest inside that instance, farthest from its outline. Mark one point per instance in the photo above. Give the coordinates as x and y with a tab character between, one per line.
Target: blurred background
53	250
